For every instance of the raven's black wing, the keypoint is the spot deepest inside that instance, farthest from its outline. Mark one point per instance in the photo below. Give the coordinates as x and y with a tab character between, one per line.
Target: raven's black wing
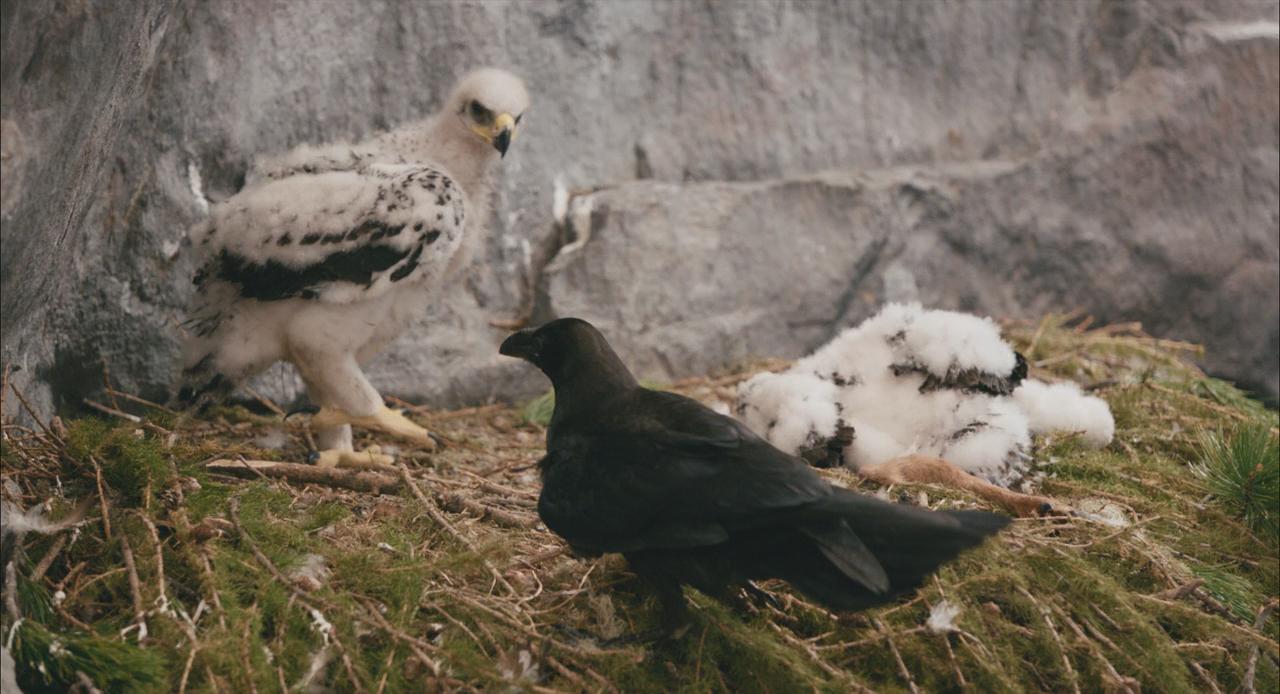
660	471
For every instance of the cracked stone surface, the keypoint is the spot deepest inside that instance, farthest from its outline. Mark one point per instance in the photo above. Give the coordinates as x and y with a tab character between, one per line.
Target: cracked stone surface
1009	158
1013	238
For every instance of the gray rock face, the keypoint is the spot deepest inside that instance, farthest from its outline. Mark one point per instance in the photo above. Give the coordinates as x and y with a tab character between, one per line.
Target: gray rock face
1002	157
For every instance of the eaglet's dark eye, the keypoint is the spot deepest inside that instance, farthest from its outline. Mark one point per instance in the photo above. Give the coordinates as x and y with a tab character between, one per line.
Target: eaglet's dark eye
480	114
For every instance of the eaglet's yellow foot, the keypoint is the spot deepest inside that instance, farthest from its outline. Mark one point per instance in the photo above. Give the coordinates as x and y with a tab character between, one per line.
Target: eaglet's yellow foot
371	458
385	420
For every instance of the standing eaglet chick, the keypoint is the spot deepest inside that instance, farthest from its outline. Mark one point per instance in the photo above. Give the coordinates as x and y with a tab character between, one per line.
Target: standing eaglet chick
914	395
692	497
329	252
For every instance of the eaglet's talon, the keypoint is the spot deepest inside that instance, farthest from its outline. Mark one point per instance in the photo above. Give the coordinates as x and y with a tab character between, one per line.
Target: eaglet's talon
393	423
384	420
1033	506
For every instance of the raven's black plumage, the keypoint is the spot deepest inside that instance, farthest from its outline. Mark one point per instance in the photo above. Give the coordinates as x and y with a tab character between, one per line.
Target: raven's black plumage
693	497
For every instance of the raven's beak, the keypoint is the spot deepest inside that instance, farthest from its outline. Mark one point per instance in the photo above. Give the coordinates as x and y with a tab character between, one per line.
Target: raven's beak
504	127
522	345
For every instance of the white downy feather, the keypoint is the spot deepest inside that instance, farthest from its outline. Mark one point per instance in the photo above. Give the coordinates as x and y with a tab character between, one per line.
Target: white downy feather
873	377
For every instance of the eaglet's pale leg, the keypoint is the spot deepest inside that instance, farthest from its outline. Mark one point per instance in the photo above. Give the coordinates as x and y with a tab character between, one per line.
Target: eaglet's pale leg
923	469
346	398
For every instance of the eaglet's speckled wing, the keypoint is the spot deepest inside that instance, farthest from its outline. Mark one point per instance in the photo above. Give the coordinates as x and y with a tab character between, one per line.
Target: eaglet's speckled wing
337	237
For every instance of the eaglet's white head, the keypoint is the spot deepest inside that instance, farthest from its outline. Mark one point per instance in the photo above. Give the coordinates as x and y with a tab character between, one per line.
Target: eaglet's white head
490	103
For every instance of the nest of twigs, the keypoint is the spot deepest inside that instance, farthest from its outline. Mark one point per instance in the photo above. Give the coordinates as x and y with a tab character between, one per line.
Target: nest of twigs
163	552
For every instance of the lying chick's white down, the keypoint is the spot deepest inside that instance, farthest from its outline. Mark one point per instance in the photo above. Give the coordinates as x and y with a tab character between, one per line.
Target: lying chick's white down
329	251
1051	407
909	380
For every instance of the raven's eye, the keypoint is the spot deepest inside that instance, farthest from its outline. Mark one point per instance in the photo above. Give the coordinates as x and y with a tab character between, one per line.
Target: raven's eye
480	114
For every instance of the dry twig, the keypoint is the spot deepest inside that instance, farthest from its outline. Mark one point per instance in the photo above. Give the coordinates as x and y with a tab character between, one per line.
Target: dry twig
42	567
897	657
438	517
135	587
1180	591
1118	682
113	411
102	498
1206	677
1251	668
456	503
1057	638
298	473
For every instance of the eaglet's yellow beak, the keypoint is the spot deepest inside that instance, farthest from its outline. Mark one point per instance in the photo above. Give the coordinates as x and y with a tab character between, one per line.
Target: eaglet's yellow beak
500	133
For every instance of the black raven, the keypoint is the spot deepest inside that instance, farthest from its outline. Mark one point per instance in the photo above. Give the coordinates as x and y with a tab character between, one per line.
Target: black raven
692	497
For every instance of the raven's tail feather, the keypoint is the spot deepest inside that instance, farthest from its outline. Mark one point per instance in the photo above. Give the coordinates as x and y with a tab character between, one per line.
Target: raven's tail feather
909	544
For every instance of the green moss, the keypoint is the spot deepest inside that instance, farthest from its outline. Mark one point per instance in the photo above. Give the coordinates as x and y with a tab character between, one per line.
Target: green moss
722	652
237	414
133	462
1227	394
323	515
396	580
210	499
7	457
